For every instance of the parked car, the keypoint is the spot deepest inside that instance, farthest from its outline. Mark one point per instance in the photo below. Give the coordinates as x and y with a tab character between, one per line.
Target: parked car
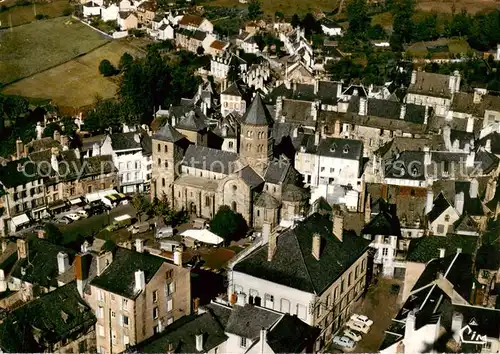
344	342
358	326
73	216
164	232
362	318
63	220
139	228
351	334
82	213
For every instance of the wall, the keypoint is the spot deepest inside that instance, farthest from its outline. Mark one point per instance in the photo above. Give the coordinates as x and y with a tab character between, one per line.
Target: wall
439	105
83	344
232	104
441	220
413	272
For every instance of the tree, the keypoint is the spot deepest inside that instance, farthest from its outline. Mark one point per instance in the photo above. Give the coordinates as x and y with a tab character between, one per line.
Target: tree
50	129
125	61
254	10
233	73
68	126
104	116
357	14
228	224
53	234
279	15
141	205
376	32
295	21
310	25
402	19
200	50
106	68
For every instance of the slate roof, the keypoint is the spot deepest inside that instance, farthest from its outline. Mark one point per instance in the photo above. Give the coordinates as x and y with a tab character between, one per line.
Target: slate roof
40	266
125	141
383	224
464	103
233	90
298	112
277	170
494	141
119	276
220	312
293	193
168	133
182	336
399	143
209	159
55	316
42	144
465	224
327	91
199	35
389	109
18	172
257	113
440	205
423	249
293	264
191	122
408	165
487	319
291	335
431	84
266	200
247	321
251	178
341	148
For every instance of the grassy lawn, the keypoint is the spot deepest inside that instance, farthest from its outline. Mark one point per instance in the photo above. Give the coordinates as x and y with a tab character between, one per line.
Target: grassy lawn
39	45
472	6
20	15
455	46
383	19
77	82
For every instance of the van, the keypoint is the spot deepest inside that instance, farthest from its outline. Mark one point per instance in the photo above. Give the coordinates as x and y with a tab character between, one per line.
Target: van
164	232
200	223
119	222
139	228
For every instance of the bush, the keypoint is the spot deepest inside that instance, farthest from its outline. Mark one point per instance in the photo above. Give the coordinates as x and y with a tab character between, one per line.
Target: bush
3	8
23	2
41	17
67	11
106	68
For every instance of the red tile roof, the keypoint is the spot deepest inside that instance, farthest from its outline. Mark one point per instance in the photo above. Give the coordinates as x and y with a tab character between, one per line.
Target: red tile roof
191	20
219	45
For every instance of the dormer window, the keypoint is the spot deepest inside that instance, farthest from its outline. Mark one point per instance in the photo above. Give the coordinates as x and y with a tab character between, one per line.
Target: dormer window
346	149
333	147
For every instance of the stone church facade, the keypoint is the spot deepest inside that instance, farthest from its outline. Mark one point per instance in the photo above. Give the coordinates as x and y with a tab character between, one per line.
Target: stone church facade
200	179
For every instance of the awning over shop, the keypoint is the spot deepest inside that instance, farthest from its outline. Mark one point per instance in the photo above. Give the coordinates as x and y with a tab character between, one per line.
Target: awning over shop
59	205
39	209
75	201
20	220
203	235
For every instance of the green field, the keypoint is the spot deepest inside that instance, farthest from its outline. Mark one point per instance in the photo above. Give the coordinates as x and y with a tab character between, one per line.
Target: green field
31	48
455	46
20	15
288	7
76	82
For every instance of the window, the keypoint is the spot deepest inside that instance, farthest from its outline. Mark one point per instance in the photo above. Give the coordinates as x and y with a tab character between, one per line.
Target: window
322	169
170	288
342	286
363	264
82	346
285	306
100	330
269	301
170	321
125	321
101	295
100	312
166	164
113	314
114	339
447	218
301	312
166	148
124	304
440	229
155	313
207	200
356	272
156	329
159	147
163	182
243	342
155	296
385	251
170	305
349	279
159	162
328	300
230	146
101	350
335	294
332	170
126	340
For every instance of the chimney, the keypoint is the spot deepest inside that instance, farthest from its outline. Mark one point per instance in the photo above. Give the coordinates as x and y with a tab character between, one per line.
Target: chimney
103	261
458	78
96	150
82	263
368	209
4	245
442	252
338	224
426	115
19	148
178	256
199	342
241	299
470	125
447	137
362	106
271	246
263	340
316	246
294	86
39	130
54	163
170	348
477	97
140	280
459	203
173	121
62	262
77	153
57	136
22	248
457	322
279	108
427	156
316	86
487	145
402	113
474	186
316	138
410	323
471	157
139	245
413	77
196	304
339	89
430	201
452	83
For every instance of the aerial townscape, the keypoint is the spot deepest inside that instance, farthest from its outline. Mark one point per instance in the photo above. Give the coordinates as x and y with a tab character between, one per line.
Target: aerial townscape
249	176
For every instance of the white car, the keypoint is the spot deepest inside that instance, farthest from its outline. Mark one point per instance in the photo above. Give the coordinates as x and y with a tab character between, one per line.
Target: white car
73	216
363	319
351	334
343	342
82	213
358	326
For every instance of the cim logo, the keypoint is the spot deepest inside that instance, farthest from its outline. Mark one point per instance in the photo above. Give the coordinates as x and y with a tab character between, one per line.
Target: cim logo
470	336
